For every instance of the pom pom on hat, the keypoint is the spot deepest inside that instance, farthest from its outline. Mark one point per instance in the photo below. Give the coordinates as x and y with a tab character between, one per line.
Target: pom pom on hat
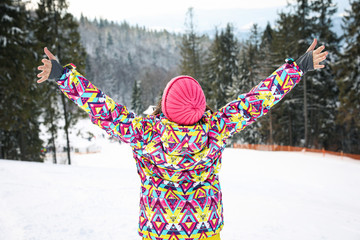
183	101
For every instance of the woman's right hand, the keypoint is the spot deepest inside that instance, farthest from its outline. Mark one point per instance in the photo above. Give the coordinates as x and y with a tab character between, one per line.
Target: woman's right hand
46	68
318	55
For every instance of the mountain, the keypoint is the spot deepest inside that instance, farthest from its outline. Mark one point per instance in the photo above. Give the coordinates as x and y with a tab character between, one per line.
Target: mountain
119	54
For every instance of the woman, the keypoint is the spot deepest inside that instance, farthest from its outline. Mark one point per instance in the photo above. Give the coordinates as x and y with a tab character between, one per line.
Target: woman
178	149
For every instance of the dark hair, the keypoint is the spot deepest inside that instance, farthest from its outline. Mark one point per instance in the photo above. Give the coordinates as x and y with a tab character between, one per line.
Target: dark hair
157	109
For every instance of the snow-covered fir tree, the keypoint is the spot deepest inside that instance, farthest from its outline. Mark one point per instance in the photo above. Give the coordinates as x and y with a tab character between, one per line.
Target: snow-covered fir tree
221	67
322	89
136	103
292	36
59	28
267	67
19	97
247	78
192	51
304	32
349	81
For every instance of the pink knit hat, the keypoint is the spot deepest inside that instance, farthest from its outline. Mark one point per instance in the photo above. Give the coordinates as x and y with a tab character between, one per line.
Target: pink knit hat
183	101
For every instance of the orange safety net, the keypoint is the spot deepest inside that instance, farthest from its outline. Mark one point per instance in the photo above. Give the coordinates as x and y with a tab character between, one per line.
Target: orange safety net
292	149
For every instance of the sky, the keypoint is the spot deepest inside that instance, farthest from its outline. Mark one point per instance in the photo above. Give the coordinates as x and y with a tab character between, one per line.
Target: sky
170	15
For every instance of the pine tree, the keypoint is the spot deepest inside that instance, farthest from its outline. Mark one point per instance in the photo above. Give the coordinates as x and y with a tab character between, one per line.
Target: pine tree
59	28
322	88
304	30
110	41
286	113
267	67
292	36
221	67
211	77
51	113
266	51
349	81
136	103
19	98
240	83
191	49
252	47
249	71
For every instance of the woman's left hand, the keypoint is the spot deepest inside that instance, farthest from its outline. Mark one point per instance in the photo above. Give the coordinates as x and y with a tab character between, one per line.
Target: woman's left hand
318	55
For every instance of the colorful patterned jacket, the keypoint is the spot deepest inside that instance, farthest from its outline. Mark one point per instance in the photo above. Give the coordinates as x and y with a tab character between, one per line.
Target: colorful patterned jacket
179	165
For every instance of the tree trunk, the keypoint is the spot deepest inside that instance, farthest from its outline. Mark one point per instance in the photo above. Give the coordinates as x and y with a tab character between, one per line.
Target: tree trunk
305	115
1	148
271	130
52	131
23	146
53	144
290	130
66	128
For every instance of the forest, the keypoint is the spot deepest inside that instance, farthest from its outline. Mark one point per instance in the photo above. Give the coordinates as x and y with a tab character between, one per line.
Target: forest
132	64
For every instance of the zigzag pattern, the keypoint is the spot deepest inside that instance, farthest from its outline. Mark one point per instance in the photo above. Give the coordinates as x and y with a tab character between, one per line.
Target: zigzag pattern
179	165
248	107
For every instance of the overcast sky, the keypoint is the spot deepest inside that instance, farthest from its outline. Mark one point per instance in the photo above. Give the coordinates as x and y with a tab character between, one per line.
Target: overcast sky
170	15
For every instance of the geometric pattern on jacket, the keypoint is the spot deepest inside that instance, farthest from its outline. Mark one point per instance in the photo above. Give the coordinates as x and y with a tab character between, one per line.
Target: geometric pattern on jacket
179	165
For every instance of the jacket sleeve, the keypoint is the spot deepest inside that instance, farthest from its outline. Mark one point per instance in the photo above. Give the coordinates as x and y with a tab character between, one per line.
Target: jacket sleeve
243	111
114	118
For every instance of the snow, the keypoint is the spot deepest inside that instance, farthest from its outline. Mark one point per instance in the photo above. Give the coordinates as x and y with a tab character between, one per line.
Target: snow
149	110
3	40
6	18
266	195
15	30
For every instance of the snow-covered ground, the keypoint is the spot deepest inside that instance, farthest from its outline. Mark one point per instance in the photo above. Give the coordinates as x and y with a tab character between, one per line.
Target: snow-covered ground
267	195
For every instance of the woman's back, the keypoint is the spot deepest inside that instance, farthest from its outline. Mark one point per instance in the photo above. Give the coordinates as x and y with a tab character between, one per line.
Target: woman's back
178	166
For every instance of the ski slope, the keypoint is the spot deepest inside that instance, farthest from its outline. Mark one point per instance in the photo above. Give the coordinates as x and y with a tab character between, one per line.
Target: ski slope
266	195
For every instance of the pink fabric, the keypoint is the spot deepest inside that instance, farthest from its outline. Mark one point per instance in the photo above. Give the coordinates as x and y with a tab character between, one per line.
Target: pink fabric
183	101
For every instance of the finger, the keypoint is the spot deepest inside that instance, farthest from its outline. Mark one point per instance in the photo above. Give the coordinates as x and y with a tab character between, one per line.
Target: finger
319	49
319	59
41	74
42	67
49	54
44	73
322	54
46	62
312	46
42	80
319	66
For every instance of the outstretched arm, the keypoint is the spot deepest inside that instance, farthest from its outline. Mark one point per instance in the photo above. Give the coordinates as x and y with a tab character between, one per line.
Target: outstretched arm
114	118
243	111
